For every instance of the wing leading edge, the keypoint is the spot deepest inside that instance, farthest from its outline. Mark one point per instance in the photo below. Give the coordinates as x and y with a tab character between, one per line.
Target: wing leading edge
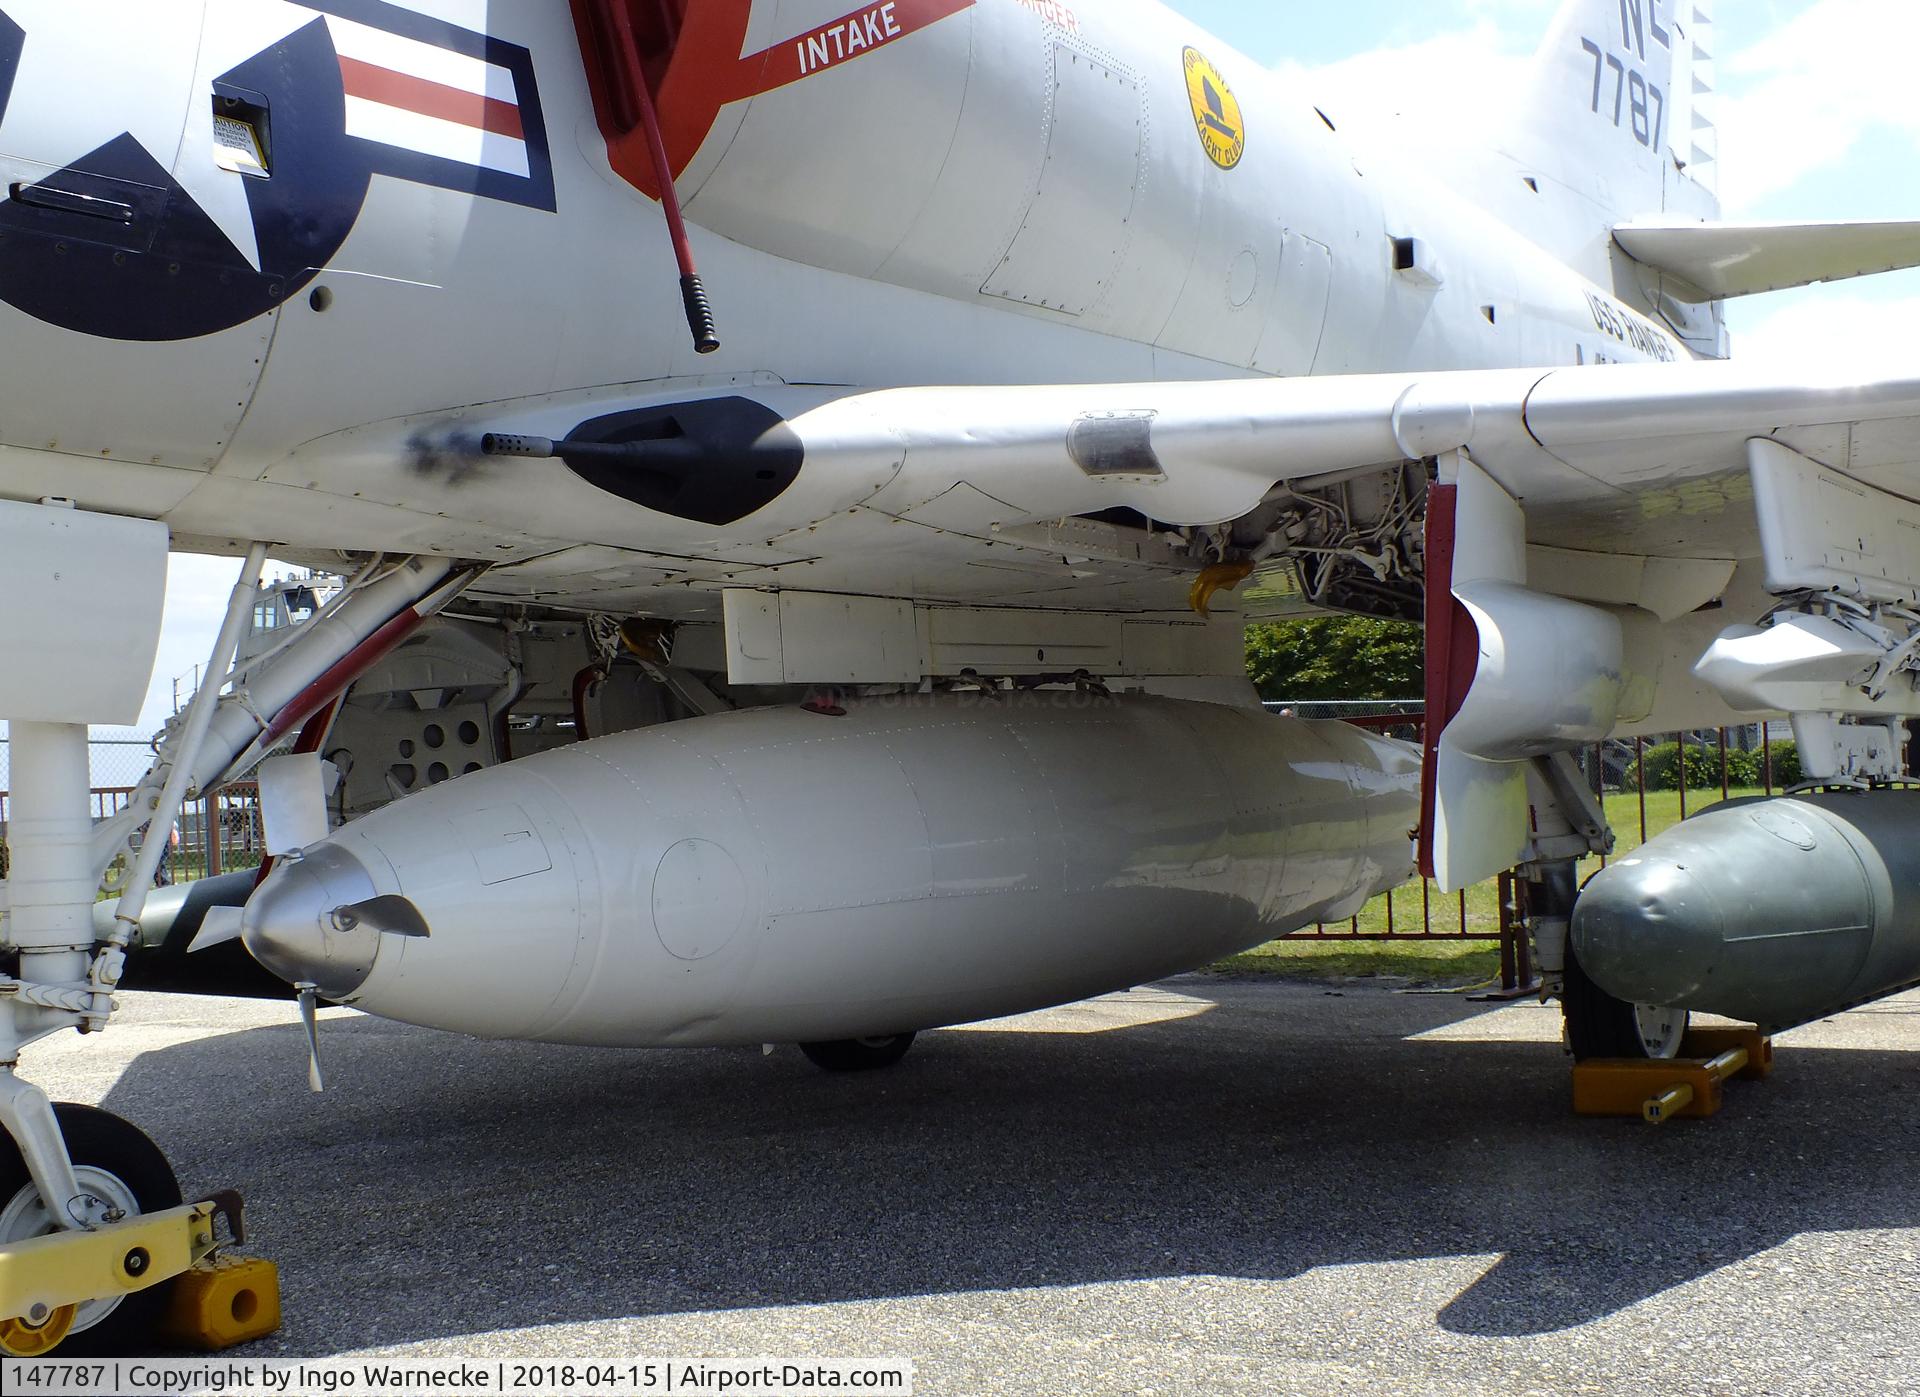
1582	448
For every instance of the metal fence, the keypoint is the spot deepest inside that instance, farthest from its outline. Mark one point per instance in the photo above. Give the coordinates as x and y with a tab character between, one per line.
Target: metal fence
1366	713
1646	785
217	834
1393	916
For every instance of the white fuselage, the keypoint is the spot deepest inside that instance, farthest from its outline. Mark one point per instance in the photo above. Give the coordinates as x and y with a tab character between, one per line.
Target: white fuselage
1006	194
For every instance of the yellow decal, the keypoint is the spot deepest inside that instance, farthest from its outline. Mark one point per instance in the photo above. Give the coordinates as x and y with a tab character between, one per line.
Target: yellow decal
1216	112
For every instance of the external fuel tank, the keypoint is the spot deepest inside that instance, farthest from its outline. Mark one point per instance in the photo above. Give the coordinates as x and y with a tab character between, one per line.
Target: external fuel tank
784	874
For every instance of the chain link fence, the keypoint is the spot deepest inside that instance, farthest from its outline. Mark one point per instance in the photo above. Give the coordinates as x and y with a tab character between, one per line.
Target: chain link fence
1349	710
216	834
1646	785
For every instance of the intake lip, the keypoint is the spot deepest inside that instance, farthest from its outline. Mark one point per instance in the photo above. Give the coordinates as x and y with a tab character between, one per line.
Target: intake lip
292	924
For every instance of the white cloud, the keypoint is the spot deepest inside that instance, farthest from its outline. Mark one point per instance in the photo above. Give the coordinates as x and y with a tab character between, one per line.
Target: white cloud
1845	327
1461	80
1803	96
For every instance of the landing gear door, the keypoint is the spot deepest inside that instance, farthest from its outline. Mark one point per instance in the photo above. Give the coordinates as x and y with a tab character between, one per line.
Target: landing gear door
1513	674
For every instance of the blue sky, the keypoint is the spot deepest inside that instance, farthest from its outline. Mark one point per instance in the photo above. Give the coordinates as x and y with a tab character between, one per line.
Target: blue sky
1766	49
1817	120
1277	32
1814	105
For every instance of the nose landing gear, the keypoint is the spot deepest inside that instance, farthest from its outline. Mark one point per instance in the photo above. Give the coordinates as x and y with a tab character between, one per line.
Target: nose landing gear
117	1166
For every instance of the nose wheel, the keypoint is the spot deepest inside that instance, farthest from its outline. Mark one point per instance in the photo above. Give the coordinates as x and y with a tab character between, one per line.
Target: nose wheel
1600	1026
858	1054
116	1163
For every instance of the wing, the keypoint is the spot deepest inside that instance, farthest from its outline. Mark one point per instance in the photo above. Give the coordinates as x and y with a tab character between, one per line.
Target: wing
1090	496
1004	495
1582	448
1582	521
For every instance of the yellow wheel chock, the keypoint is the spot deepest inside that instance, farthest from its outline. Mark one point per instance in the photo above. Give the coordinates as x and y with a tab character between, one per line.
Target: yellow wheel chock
43	1279
1688	1086
223	1301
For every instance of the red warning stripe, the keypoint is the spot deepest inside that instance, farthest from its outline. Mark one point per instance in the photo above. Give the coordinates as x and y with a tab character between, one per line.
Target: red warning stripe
383	85
706	69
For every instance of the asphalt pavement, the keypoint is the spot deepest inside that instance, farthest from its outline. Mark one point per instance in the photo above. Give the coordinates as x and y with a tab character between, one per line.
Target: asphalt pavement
1207	1186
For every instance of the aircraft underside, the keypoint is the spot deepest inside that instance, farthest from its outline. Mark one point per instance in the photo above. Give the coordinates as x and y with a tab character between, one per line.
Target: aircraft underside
843	637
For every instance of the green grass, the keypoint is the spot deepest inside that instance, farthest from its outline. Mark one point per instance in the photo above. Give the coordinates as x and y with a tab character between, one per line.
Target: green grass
189	865
1445	962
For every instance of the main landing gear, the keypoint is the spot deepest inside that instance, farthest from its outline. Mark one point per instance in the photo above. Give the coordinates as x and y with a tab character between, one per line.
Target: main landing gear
1596	1024
858	1054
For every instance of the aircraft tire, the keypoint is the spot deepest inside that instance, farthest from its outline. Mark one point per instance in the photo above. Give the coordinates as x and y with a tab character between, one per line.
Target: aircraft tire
1600	1026
858	1054
115	1159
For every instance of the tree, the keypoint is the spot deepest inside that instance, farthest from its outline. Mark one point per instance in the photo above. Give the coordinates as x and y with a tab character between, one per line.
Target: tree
1337	657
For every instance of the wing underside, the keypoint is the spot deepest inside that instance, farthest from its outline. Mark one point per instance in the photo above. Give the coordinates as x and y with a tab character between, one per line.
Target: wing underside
1112	496
1717	261
1600	527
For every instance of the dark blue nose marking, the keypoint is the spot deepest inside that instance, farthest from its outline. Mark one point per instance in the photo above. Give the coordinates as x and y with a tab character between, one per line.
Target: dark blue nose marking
12	39
158	268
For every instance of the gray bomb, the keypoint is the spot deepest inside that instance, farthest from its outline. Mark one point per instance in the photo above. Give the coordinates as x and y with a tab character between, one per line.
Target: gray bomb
1773	910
